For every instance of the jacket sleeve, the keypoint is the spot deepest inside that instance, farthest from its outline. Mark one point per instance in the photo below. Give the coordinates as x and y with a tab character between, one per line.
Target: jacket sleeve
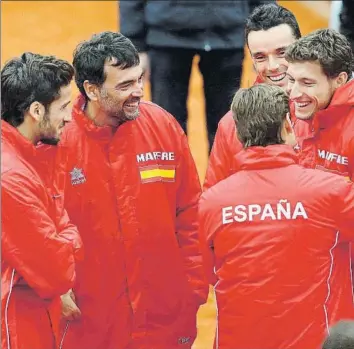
69	232
206	241
188	194
345	215
219	162
31	243
132	22
56	161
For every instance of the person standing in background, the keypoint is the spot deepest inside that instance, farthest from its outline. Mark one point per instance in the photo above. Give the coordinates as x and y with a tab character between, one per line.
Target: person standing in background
346	18
335	10
170	33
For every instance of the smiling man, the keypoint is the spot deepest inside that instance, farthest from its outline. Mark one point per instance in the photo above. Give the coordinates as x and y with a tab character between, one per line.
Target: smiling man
267	48
133	192
39	245
322	89
270	29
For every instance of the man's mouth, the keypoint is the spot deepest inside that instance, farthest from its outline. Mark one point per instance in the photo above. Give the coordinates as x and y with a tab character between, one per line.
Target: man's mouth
276	78
302	104
132	104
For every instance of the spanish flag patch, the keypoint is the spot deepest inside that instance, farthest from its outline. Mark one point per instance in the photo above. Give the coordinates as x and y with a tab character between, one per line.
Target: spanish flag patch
157	173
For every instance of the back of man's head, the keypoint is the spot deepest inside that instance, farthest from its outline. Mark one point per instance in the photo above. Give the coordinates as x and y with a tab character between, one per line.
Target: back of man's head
341	336
268	16
260	112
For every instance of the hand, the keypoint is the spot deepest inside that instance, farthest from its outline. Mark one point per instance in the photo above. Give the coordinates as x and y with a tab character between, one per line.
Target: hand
69	310
145	65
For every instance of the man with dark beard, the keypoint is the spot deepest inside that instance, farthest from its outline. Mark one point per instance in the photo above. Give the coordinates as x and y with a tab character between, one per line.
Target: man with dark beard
133	192
39	245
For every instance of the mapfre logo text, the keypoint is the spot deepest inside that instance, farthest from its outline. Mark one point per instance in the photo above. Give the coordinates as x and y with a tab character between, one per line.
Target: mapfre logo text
327	155
156	155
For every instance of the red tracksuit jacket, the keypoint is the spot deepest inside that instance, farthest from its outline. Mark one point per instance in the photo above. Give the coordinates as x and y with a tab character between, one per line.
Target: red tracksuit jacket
276	241
133	195
327	141
39	246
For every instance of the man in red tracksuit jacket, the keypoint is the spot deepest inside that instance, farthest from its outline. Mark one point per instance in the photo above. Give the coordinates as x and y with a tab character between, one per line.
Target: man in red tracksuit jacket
270	29
39	246
133	192
276	236
321	89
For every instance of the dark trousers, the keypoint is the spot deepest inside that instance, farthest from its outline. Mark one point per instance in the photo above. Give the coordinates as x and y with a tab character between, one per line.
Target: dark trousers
170	73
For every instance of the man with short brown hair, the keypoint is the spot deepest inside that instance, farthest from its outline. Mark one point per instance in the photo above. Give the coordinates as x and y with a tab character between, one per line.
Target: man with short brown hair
322	91
275	236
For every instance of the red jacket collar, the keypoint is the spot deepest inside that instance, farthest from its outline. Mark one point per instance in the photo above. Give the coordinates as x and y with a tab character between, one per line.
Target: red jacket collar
342	101
272	156
80	117
11	135
344	95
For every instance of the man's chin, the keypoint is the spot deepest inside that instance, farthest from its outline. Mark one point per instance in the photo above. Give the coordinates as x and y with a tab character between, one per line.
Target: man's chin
132	116
282	83
303	116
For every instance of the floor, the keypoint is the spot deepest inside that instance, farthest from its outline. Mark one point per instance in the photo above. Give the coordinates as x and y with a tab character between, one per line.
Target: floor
56	27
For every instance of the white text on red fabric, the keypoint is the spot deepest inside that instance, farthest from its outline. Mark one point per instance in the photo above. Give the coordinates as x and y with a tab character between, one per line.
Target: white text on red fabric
156	155
327	155
283	210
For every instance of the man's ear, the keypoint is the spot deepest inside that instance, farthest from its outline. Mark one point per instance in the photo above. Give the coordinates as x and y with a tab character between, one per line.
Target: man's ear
288	124
288	134
91	90
341	79
36	111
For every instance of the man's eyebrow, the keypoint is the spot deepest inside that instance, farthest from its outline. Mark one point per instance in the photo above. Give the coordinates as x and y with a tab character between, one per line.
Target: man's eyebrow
308	79
124	82
127	82
283	48
65	104
257	53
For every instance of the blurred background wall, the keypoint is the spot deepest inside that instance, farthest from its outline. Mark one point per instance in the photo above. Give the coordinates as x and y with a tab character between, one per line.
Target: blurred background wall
56	27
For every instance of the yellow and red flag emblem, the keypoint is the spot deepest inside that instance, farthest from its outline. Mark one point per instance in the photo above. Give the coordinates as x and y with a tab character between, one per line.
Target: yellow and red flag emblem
157	173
